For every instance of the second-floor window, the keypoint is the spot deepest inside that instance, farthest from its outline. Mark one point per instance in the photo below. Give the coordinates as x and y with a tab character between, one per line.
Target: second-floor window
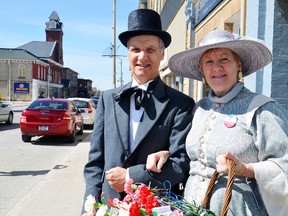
21	71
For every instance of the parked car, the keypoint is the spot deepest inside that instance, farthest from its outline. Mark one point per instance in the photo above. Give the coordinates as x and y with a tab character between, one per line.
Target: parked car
95	100
88	109
6	113
51	117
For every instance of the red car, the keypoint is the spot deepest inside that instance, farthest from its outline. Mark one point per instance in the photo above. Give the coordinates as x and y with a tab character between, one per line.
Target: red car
51	117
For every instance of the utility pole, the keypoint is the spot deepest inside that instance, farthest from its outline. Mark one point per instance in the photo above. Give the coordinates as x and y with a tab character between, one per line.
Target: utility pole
114	44
121	72
113	54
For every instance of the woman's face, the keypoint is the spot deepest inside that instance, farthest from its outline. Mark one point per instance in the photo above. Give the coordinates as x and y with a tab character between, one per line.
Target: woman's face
220	67
145	55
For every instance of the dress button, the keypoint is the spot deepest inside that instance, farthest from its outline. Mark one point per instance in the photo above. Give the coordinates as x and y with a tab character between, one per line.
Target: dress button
202	155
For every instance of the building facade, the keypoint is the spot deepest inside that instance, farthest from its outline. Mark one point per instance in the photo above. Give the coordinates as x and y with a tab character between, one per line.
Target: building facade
36	68
70	83
19	73
85	88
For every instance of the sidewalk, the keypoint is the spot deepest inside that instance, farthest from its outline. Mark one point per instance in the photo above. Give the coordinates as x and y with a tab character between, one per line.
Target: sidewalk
61	191
18	105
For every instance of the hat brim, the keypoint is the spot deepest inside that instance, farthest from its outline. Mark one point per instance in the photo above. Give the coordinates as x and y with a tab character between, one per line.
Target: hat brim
254	55
125	36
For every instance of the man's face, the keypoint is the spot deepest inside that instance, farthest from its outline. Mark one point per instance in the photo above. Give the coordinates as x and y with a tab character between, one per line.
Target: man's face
144	55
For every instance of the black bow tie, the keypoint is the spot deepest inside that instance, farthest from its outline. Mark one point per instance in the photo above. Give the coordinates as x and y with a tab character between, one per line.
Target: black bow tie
141	96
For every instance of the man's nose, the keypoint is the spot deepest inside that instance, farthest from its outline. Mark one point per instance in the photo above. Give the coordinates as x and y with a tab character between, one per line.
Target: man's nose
142	55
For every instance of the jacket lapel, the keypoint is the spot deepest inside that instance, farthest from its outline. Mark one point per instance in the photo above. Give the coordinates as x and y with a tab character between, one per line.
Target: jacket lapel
121	112
156	105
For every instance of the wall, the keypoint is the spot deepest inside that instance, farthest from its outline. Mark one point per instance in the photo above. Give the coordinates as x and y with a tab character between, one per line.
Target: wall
279	80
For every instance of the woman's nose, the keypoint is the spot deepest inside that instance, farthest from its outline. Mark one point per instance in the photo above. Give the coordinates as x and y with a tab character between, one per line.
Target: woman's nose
217	65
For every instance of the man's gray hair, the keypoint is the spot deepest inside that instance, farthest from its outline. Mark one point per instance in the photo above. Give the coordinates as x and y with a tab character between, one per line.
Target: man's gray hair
161	44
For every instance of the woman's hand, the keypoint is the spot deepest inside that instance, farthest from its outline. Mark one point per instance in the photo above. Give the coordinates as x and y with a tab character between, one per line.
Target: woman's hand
241	169
156	161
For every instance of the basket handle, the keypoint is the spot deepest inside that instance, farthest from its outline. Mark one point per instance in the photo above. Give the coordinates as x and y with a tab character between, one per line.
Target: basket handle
228	192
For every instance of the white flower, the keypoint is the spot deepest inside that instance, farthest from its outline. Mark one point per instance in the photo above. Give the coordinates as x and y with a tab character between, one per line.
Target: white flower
102	210
123	212
88	206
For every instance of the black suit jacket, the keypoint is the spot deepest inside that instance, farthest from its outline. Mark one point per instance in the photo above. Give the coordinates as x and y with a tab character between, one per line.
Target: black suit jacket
163	126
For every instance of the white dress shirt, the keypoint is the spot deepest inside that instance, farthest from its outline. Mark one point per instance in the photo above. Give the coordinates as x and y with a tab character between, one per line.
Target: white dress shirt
135	115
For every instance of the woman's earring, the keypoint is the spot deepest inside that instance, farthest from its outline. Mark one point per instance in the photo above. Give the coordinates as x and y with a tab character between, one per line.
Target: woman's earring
240	75
203	80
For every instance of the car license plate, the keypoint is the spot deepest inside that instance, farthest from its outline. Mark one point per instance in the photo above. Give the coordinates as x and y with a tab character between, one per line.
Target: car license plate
43	128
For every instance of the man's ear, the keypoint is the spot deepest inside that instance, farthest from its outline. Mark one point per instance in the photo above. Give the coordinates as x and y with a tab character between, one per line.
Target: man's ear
163	54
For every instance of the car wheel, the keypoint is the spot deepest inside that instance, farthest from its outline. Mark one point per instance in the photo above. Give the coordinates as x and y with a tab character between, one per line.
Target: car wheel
10	119
26	138
80	132
72	137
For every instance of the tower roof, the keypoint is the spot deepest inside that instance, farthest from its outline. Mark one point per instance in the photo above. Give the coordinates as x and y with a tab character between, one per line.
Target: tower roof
54	16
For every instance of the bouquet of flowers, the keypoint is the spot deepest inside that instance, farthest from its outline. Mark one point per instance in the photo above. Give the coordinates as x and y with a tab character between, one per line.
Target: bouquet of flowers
141	200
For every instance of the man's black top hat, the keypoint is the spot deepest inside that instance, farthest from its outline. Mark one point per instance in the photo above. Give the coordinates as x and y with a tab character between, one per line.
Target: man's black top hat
144	22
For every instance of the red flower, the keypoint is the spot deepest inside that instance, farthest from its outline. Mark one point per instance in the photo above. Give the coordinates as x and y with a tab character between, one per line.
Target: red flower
134	209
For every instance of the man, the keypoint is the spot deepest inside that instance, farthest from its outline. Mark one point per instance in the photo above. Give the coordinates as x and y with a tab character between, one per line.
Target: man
128	129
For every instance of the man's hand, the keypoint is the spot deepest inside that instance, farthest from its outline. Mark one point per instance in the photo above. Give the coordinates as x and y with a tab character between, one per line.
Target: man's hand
116	177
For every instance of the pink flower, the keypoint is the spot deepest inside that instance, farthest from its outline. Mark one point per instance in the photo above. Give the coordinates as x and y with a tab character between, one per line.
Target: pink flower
127	186
176	213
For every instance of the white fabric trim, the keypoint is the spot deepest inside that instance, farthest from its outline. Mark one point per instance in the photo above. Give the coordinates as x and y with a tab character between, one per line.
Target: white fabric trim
273	187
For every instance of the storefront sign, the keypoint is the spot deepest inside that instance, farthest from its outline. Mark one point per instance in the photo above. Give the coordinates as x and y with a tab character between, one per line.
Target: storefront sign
203	8
21	88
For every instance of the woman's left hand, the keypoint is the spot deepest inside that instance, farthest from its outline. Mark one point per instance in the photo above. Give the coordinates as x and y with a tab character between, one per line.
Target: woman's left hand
155	161
241	169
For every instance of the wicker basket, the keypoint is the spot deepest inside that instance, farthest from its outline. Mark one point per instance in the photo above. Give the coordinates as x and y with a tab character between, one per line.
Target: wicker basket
228	192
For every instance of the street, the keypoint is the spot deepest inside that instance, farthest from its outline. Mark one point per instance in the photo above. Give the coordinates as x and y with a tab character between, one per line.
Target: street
24	165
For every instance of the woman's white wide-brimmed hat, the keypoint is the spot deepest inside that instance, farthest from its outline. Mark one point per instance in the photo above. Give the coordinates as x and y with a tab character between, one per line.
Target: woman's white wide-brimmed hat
253	54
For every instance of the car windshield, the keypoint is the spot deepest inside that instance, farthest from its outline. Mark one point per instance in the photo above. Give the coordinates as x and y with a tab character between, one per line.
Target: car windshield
81	104
48	105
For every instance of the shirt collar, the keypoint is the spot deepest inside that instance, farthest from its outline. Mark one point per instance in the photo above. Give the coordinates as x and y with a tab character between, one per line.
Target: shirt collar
143	86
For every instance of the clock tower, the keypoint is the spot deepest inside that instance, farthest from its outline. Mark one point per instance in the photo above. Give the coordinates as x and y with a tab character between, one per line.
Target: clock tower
54	33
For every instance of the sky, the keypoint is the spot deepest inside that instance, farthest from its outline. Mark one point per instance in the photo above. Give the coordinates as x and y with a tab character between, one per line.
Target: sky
88	33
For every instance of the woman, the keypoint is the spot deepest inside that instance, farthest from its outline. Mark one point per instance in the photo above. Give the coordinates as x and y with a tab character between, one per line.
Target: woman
233	123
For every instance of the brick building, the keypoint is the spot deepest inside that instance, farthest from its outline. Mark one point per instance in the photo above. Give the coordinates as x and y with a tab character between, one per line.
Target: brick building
37	67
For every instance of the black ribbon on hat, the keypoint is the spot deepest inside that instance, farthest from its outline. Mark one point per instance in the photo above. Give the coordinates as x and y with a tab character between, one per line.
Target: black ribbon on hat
141	96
